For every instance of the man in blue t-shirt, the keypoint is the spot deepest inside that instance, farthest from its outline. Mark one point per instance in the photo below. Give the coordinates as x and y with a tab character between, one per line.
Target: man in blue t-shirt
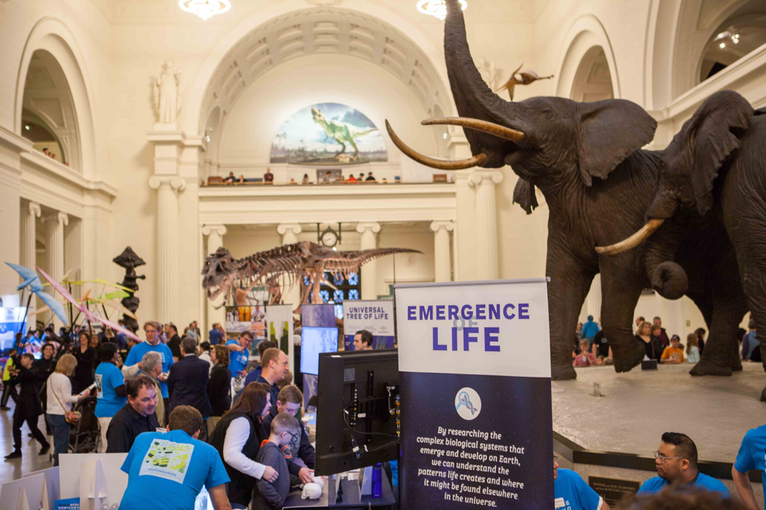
214	336
110	389
676	463
152	343
239	353
751	456
570	492
174	466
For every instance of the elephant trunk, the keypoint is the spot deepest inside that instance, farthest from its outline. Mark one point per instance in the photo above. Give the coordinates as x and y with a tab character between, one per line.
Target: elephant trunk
473	97
667	277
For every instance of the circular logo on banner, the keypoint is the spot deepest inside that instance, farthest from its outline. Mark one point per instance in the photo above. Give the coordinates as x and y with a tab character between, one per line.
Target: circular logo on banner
468	403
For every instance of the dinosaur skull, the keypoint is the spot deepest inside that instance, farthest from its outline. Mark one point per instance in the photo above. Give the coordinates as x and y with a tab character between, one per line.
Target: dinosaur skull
218	273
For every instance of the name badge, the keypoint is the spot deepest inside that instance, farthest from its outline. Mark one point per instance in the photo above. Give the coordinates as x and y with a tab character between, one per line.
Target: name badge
559	503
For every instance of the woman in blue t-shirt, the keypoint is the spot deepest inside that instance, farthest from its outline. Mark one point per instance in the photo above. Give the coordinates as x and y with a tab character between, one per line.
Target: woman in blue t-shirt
110	388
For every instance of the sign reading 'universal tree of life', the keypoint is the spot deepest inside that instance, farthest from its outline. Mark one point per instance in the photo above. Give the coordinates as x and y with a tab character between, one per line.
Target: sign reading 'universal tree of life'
475	385
377	317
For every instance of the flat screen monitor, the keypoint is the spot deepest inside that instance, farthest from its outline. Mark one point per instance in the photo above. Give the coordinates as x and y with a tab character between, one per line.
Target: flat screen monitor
315	341
357	410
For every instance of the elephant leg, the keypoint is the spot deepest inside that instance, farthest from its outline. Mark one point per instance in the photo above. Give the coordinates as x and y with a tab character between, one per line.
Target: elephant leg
566	293
721	345
620	292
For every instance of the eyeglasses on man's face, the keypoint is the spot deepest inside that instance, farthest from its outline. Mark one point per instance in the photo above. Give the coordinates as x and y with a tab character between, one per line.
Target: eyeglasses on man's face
662	458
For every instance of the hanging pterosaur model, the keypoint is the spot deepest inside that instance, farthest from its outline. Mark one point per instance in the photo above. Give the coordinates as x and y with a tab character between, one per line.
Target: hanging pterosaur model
35	286
288	263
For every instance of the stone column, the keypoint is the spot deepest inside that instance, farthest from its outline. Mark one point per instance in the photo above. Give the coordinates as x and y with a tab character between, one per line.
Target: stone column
215	310
442	259
167	245
486	222
54	250
291	291
370	269
28	234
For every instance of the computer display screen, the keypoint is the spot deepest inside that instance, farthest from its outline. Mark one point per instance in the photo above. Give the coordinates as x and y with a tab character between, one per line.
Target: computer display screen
315	341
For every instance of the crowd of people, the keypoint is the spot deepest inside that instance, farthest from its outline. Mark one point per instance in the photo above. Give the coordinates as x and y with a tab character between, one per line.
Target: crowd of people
328	178
173	398
591	347
247	446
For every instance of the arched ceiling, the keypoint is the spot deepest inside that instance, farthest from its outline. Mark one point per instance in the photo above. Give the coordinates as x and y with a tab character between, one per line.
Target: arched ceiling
324	31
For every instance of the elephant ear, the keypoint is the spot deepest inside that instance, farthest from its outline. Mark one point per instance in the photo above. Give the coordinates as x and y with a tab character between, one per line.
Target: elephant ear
524	195
701	148
610	131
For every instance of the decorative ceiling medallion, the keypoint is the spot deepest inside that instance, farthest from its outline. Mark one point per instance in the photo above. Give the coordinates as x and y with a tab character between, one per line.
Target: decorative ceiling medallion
437	8
205	9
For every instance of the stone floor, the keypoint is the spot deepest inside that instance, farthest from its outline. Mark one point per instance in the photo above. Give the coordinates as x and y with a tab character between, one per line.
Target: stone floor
31	461
638	406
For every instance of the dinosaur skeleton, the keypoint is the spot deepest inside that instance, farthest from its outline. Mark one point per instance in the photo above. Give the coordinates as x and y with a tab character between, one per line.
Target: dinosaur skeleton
284	265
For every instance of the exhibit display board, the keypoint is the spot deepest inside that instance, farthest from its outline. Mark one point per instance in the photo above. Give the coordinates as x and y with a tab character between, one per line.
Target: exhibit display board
377	317
475	388
11	322
279	329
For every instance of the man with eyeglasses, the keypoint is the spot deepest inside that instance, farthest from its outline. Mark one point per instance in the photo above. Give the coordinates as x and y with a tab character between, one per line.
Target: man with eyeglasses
570	492
676	462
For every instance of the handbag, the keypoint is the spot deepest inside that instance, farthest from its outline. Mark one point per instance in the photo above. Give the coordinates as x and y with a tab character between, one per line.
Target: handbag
69	416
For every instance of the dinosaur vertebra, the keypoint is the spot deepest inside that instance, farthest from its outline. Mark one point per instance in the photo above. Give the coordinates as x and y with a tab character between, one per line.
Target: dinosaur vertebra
290	262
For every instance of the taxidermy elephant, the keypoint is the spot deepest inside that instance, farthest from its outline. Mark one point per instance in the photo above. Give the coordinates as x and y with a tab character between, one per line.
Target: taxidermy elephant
586	160
714	172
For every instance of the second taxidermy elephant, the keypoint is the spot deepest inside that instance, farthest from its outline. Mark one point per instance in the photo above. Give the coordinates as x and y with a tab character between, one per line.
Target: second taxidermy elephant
714	172
586	159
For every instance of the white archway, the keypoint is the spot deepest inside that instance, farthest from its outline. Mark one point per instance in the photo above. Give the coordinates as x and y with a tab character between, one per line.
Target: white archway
52	36
197	106
585	33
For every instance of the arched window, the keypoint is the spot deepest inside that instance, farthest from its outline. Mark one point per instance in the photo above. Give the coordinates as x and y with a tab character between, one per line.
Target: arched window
48	114
593	81
738	35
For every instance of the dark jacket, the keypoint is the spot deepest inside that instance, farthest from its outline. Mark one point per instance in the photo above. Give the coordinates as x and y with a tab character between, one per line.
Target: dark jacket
85	371
187	385
28	404
125	427
240	488
174	344
305	451
44	367
653	348
219	389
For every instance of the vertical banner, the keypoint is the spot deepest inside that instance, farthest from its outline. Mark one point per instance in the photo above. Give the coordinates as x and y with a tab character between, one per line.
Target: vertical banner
11	322
315	316
475	392
377	317
279	329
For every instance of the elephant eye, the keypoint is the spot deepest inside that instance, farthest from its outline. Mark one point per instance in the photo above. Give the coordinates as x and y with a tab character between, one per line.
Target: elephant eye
547	114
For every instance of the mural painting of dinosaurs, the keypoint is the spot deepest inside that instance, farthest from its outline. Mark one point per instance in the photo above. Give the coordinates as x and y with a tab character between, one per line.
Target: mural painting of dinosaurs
341	132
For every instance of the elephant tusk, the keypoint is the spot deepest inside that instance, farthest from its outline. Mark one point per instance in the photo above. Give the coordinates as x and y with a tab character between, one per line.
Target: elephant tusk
479	125
633	241
433	162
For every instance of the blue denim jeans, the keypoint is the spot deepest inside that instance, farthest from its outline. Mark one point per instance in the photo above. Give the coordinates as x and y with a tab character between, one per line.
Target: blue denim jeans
60	429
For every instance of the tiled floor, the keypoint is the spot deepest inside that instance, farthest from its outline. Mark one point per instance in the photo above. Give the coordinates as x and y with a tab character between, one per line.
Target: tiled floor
31	461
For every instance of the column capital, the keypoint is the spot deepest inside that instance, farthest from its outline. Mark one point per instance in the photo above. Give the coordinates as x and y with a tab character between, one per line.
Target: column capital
294	228
479	176
374	227
60	218
446	225
172	181
35	210
214	229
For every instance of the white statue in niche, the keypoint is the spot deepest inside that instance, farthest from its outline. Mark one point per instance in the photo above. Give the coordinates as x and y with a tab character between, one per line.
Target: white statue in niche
167	99
488	71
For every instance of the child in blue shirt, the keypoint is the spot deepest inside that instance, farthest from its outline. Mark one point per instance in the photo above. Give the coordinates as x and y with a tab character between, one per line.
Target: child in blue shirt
268	495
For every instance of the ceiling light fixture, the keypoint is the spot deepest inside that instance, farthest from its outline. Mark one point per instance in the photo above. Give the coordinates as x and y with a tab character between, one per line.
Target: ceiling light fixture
205	9
735	38
437	8
27	127
722	45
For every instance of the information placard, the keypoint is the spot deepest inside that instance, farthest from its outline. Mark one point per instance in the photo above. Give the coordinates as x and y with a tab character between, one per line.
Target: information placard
377	317
475	392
